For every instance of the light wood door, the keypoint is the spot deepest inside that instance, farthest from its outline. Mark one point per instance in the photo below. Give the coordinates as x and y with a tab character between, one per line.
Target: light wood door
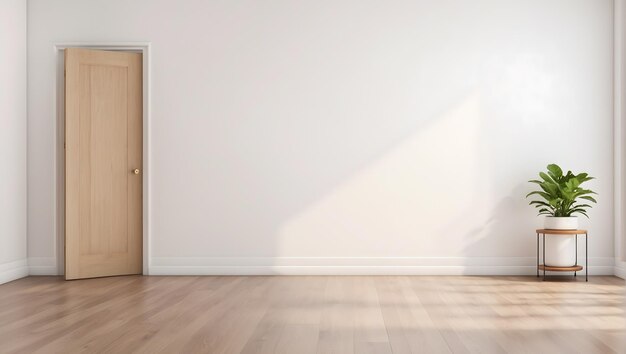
103	163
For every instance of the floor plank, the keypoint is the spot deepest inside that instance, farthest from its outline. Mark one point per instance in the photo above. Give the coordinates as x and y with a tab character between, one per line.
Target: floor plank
313	314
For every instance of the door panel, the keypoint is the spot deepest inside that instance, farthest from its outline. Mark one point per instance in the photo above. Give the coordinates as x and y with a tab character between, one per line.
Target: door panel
103	148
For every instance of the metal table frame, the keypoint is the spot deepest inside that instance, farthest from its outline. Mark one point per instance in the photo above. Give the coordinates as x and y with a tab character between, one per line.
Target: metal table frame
543	232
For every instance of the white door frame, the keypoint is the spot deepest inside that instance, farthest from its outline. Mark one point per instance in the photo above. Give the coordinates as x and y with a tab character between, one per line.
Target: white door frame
59	112
619	131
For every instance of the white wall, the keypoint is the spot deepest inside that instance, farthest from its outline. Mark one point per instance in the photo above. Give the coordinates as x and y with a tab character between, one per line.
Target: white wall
12	140
346	135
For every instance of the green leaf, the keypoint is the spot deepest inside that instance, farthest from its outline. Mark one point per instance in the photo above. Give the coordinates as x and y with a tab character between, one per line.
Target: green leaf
582	212
589	198
548	188
555	170
567	195
583	177
539	203
543	194
546	177
586	191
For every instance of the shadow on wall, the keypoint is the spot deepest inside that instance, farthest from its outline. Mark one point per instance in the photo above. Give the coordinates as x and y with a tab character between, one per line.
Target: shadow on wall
418	200
436	196
506	230
397	205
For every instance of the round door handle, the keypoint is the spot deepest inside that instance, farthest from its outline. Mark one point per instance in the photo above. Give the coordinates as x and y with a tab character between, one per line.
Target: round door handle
136	171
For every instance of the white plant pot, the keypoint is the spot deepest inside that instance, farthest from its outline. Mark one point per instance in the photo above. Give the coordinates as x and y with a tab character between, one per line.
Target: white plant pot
560	250
561	223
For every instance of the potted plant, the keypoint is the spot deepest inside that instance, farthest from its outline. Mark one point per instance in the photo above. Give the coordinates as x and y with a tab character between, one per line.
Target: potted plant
561	196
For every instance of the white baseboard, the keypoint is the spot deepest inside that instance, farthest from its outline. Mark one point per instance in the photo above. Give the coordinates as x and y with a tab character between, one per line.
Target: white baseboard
42	266
328	266
13	270
620	269
360	266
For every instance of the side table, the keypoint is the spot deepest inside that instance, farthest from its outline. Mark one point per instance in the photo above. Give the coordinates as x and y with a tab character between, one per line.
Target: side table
575	268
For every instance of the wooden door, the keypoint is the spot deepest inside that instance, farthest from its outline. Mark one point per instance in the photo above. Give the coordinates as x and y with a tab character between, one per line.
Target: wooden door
103	163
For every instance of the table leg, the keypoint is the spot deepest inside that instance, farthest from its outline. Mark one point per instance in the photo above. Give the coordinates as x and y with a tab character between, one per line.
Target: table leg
586	258
537	255
576	263
544	257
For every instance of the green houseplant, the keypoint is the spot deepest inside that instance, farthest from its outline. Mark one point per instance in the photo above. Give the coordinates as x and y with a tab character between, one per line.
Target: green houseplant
561	198
560	193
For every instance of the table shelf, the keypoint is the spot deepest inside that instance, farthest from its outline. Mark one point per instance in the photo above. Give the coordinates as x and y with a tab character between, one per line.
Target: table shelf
561	232
576	268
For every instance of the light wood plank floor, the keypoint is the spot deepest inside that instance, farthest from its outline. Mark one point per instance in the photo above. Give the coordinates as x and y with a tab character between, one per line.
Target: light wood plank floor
316	314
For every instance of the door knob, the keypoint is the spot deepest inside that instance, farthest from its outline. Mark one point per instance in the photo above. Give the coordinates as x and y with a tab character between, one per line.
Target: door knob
136	171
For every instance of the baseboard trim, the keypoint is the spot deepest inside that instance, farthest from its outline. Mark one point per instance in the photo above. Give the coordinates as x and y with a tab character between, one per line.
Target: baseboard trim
13	270
360	266
347	270
42	266
45	266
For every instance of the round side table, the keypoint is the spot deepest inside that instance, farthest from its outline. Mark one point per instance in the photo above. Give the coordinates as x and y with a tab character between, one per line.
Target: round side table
575	268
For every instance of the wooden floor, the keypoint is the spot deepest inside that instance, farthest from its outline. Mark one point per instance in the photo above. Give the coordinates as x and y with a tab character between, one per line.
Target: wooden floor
316	314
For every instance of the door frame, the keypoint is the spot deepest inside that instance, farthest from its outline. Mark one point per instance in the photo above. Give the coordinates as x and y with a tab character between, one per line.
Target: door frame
59	163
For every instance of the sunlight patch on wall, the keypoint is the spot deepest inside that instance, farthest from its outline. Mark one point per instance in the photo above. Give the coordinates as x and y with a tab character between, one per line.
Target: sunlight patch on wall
407	203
